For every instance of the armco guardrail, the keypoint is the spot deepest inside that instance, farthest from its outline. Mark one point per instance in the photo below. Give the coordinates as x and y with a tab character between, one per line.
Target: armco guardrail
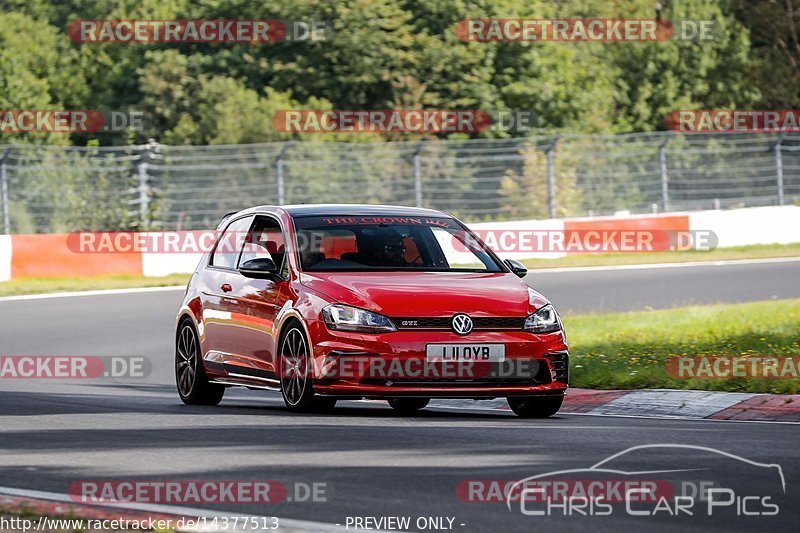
56	255
49	189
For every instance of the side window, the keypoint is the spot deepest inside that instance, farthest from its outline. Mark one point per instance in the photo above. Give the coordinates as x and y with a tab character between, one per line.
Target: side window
230	243
265	240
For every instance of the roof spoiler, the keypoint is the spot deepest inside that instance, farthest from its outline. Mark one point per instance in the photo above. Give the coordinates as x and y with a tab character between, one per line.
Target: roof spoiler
225	217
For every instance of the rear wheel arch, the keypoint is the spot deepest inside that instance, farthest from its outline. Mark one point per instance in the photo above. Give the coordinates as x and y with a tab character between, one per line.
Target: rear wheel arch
185	318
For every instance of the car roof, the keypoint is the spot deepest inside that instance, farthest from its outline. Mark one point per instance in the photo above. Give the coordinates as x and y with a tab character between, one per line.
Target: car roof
307	210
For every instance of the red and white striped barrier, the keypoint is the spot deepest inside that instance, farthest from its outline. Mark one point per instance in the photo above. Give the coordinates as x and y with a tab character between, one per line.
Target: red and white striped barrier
56	255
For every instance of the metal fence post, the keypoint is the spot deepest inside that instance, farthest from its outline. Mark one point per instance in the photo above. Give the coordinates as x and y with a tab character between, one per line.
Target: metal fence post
662	163
779	168
4	194
279	173
143	185
417	177
551	178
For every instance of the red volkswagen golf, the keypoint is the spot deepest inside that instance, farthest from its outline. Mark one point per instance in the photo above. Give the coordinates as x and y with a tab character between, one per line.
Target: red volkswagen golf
328	302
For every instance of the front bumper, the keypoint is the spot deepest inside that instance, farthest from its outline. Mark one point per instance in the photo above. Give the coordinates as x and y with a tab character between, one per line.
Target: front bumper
473	391
394	365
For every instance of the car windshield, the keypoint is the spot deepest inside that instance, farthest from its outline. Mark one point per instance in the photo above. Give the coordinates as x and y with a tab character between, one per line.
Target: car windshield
363	243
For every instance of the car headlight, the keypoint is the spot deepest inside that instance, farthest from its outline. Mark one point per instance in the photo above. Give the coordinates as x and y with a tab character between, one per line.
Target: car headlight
545	320
346	318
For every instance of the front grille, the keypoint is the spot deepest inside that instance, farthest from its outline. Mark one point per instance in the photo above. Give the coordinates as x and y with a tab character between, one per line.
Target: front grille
479	322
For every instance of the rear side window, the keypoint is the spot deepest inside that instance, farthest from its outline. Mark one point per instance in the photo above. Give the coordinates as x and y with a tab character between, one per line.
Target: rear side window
230	243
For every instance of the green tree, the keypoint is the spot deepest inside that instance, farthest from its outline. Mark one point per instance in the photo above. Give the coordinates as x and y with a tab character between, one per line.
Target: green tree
38	70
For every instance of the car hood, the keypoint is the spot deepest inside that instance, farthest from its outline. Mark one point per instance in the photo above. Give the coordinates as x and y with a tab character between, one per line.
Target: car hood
420	294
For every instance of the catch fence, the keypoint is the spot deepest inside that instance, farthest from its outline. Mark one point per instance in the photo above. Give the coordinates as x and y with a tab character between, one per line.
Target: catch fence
49	189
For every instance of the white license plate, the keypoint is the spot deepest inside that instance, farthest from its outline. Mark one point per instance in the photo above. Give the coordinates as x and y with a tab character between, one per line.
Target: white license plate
489	353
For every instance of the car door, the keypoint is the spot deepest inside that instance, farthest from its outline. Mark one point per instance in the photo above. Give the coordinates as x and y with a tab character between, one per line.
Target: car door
257	301
220	311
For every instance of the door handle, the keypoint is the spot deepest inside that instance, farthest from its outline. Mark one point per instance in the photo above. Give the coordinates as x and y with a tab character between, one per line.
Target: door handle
226	287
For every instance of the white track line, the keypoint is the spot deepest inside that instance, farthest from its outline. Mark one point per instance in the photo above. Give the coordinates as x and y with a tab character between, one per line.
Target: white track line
644	266
90	293
642	416
283	523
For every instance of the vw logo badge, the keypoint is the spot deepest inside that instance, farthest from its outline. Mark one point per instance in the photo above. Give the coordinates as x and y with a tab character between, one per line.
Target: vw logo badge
462	324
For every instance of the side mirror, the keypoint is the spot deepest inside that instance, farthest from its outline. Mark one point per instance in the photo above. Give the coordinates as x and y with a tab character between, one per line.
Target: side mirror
259	268
516	267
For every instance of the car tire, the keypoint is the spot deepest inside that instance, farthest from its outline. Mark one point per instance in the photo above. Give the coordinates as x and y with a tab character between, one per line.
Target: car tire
322	404
295	373
408	406
193	385
535	406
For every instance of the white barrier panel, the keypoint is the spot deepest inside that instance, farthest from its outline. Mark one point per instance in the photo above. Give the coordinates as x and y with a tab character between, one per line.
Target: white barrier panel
5	257
164	264
174	252
502	236
735	227
754	225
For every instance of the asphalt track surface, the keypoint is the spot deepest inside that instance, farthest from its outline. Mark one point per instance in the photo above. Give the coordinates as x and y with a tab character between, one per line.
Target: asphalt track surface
371	461
629	288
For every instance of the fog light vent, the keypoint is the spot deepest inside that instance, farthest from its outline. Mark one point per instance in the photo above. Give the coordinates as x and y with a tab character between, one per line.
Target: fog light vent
559	366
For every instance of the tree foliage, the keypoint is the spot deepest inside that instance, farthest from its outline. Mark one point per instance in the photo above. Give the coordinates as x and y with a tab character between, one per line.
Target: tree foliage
382	54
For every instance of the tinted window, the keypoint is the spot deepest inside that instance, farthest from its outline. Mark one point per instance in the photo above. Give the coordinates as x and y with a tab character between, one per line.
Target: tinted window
354	243
265	240
230	243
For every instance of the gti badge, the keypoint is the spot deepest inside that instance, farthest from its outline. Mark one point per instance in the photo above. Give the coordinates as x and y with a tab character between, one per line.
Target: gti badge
462	324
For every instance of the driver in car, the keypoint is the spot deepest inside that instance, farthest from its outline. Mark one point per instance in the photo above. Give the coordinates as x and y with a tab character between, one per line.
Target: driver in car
394	250
382	248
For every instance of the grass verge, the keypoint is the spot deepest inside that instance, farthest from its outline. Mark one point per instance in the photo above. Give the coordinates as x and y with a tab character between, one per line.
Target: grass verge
761	251
630	350
45	285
